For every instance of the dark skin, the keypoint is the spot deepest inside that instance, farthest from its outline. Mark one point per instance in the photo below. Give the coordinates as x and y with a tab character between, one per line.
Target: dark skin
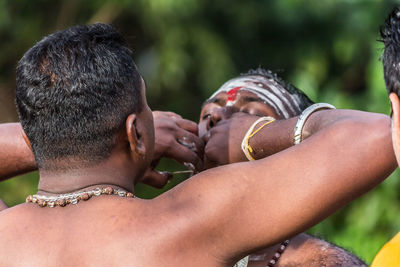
199	215
217	120
17	157
170	128
213	113
216	124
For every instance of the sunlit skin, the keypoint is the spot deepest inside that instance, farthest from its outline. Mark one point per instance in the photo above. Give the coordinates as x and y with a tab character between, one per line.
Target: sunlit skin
224	107
200	221
186	218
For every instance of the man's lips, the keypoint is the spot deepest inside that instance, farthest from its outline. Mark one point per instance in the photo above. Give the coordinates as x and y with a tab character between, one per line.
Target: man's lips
206	137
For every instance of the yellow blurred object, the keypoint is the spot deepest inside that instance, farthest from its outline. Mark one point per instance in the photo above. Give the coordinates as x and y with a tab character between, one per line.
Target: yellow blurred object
389	255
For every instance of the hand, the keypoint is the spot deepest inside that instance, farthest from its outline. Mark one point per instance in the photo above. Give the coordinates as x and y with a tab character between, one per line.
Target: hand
175	138
223	141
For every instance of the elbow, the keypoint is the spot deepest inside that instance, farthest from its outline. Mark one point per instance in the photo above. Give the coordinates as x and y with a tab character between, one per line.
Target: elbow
371	134
373	128
379	125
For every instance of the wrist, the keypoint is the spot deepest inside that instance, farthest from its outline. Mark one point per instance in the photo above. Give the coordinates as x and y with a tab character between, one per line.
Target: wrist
300	132
253	130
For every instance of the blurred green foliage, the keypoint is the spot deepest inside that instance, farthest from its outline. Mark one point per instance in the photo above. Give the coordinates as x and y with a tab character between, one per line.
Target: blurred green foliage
185	49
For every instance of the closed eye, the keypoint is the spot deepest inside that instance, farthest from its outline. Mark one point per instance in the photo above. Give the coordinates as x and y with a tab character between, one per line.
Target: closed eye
251	111
206	116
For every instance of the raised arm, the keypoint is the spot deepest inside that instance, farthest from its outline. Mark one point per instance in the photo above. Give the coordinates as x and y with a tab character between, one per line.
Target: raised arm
347	154
175	138
15	155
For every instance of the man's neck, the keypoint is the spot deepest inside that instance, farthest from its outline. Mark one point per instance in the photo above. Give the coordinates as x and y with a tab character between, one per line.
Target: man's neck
109	172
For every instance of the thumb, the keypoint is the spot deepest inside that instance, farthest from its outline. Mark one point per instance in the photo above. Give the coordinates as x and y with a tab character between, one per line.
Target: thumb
156	179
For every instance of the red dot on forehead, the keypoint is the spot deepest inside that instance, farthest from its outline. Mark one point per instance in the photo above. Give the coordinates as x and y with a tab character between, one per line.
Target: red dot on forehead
233	93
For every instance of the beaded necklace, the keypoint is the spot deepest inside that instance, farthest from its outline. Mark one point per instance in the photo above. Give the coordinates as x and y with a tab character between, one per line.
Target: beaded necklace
74	198
278	253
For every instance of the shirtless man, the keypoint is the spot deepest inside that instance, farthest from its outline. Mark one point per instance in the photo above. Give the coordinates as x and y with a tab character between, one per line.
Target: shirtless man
82	105
304	250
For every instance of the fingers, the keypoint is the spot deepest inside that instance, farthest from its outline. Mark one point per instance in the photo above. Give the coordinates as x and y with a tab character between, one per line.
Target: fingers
156	179
186	156
187	125
192	142
177	119
158	113
177	139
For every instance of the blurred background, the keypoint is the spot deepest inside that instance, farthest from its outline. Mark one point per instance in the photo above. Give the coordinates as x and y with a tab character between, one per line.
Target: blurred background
185	49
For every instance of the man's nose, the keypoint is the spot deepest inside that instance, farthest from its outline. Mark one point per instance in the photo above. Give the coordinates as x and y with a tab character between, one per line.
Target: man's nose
217	115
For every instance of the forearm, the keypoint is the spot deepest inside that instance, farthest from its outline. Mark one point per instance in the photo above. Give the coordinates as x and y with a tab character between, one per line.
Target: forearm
15	155
279	135
348	155
344	154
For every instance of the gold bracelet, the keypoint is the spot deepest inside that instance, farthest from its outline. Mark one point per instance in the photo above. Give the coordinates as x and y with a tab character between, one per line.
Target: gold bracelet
246	148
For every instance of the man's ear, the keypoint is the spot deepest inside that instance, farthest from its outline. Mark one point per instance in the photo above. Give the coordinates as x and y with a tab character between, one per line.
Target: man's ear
26	139
134	136
394	99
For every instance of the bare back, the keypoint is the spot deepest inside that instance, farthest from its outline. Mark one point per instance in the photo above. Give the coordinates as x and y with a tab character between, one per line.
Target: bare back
103	231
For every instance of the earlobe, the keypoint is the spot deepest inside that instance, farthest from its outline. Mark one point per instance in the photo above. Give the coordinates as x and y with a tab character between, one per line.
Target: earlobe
394	99
134	136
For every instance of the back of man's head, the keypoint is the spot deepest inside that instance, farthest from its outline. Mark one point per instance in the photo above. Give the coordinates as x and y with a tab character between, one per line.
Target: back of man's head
75	89
390	34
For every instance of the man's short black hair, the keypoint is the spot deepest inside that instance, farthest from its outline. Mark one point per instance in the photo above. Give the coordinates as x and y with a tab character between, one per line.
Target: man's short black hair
390	34
75	89
304	100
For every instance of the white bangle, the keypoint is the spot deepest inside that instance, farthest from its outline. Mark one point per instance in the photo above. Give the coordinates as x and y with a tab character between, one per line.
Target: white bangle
298	129
249	131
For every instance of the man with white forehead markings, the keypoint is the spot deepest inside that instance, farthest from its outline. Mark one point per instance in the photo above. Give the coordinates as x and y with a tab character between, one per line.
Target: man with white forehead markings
254	93
268	90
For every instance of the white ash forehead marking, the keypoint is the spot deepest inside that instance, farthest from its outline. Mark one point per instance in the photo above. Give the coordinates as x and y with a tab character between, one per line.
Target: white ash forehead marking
274	95
281	91
247	85
230	103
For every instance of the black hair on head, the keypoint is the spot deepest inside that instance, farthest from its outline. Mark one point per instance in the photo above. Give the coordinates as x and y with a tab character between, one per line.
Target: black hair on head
390	34
303	98
75	89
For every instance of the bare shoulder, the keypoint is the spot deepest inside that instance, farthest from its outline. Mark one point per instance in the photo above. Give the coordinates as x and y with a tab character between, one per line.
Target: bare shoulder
9	214
12	218
14	227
